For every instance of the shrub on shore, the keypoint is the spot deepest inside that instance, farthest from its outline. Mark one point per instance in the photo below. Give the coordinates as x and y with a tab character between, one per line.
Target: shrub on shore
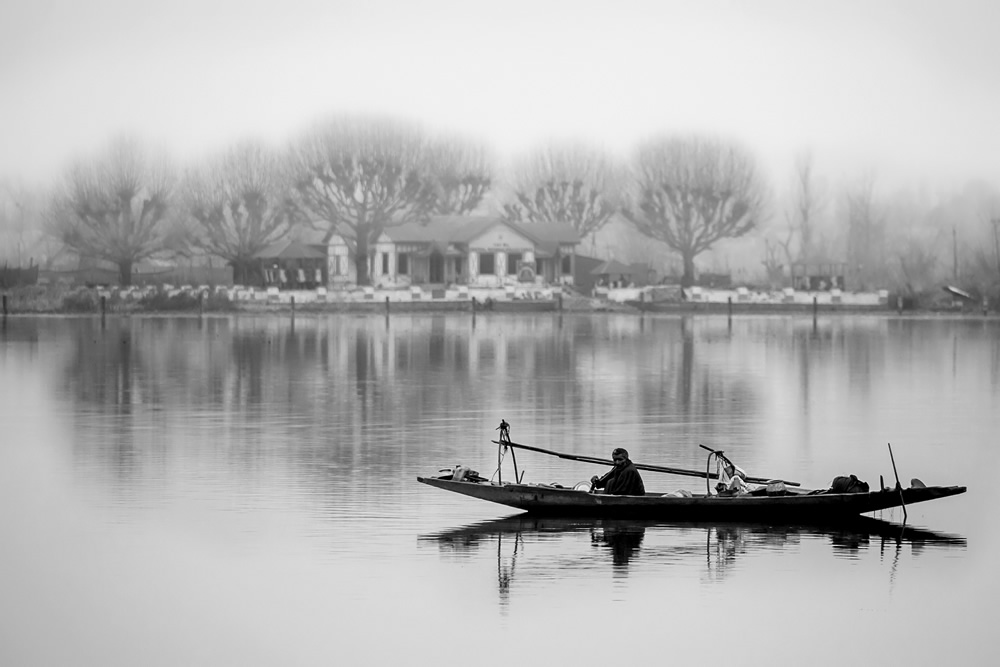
81	300
161	301
33	299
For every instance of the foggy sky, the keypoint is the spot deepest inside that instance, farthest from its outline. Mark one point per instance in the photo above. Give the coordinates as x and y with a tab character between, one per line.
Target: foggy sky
906	90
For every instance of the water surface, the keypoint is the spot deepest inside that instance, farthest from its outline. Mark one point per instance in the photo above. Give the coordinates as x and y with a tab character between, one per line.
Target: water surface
239	490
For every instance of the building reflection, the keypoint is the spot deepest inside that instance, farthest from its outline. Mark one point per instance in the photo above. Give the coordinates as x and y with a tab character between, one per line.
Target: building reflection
549	548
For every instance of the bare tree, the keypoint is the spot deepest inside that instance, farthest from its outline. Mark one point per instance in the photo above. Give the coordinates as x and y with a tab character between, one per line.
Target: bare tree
241	205
808	202
994	222
115	207
772	261
572	184
462	172
364	175
691	193
18	208
917	265
866	251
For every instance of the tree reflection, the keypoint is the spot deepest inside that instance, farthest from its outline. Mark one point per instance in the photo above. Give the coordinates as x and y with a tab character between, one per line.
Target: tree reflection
19	330
107	369
349	392
238	363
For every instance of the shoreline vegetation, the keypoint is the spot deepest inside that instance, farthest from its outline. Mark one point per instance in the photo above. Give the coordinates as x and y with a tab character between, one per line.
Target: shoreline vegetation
62	300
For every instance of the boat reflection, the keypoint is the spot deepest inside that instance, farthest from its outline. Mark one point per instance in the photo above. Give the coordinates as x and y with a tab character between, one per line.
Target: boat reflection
559	547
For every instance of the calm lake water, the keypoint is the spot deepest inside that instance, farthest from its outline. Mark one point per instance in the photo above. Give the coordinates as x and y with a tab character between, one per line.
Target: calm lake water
241	491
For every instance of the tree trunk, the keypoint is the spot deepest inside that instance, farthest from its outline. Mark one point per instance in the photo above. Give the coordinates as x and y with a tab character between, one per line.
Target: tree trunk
125	273
361	255
241	272
688	278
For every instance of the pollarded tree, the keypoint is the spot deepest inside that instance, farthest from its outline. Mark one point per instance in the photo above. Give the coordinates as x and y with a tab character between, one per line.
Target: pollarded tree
571	184
369	174
240	203
115	207
691	193
462	172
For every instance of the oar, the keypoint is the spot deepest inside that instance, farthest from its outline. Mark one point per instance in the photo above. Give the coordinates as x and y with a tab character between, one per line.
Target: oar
640	466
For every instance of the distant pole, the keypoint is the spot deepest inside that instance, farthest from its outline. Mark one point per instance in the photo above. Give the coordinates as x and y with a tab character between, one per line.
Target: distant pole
386	305
954	252
729	308
815	310
5	305
899	304
996	240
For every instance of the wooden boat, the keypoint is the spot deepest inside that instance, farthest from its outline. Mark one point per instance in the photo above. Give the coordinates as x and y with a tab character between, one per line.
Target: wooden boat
773	501
794	504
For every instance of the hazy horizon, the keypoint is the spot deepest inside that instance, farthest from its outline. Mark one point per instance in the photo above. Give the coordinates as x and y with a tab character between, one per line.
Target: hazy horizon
903	92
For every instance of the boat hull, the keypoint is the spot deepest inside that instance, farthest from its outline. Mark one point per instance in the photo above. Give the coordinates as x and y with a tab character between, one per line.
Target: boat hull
797	505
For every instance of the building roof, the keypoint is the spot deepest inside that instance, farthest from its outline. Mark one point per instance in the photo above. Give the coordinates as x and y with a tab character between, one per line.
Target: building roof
289	249
462	229
551	232
443	230
612	266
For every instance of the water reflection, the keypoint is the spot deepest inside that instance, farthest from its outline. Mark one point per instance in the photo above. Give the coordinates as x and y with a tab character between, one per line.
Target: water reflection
18	330
566	544
233	362
622	540
237	449
335	389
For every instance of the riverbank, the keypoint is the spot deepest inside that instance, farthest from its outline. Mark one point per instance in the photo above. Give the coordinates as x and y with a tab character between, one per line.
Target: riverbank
58	300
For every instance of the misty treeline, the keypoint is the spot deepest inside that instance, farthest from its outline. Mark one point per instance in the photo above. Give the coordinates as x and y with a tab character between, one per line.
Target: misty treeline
669	203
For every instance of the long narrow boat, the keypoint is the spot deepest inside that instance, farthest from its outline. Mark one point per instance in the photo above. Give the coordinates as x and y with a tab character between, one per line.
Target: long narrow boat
795	504
770	502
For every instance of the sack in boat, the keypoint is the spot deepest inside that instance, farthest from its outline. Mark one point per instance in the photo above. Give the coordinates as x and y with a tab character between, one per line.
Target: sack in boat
464	473
848	484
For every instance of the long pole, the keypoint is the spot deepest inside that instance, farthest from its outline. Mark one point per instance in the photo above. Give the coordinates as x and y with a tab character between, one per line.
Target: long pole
954	253
899	487
640	466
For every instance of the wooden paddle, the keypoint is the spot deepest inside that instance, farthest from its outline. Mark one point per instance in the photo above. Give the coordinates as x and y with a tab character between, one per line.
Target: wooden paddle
640	466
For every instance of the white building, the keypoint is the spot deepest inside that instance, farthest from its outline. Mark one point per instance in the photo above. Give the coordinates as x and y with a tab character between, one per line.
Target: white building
483	251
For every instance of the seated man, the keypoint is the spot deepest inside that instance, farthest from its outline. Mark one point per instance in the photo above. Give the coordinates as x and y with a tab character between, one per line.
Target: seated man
623	479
